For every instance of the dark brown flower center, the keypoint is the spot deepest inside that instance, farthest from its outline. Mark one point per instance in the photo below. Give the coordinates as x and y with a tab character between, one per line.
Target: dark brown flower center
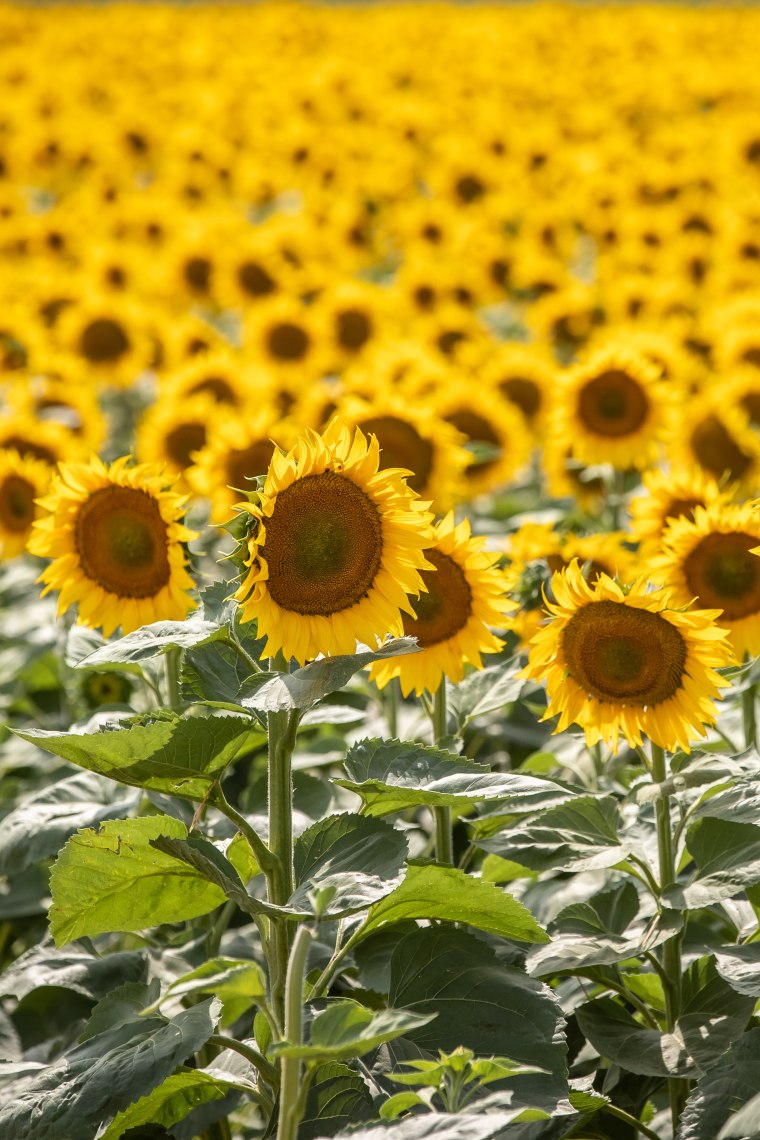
255	280
182	441
245	463
618	653
477	429
722	573
121	540
523	392
323	545
288	341
353	329
103	341
401	445
716	450
613	404
446	607
16	504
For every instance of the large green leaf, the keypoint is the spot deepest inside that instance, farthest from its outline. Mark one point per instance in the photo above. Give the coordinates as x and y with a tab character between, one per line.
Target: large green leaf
337	1097
347	1029
727	857
114	879
438	1126
392	775
738	803
150	640
711	1018
75	968
493	1009
166	754
740	967
104	1074
354	859
600	932
280	692
171	1102
486	690
581	834
729	1084
447	893
39	826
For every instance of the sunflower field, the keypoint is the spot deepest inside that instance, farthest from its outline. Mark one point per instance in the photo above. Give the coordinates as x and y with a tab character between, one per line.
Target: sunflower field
379	571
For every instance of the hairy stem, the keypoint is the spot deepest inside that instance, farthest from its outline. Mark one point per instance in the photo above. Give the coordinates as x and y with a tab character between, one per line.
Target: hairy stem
290	1073
283	727
444	841
173	659
671	951
749	716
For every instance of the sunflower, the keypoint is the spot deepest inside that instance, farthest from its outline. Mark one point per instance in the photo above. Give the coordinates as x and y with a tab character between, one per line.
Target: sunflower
336	549
487	420
626	662
710	558
614	409
222	374
566	478
22	482
412	437
466	596
669	497
110	337
56	393
525	375
716	436
239	448
43	439
169	435
115	537
283	335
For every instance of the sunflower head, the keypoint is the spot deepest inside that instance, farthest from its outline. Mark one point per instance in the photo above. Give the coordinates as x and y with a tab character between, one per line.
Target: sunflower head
711	558
613	409
669	497
627	663
465	596
23	481
336	546
116	542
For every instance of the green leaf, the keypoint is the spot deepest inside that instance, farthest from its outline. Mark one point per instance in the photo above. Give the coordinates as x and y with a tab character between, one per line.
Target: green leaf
338	1097
213	673
74	969
281	692
150	640
730	1084
440	1126
166	754
347	1029
740	967
114	879
711	1018
486	690
581	834
225	977
391	775
11	1048
356	858
39	826
483	1005
104	1075
600	932
171	1102
745	1124
727	856
447	893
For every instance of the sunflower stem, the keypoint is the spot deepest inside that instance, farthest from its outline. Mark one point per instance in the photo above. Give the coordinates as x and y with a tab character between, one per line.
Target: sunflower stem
444	840
616	497
283	727
290	1073
173	659
749	716
671	951
391	707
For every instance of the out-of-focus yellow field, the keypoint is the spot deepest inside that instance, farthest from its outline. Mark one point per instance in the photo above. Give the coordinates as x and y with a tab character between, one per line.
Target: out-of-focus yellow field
418	215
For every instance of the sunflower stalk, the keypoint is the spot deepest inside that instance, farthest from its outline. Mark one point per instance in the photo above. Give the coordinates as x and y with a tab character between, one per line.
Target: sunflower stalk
671	951
173	693
749	716
283	727
444	840
290	1074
